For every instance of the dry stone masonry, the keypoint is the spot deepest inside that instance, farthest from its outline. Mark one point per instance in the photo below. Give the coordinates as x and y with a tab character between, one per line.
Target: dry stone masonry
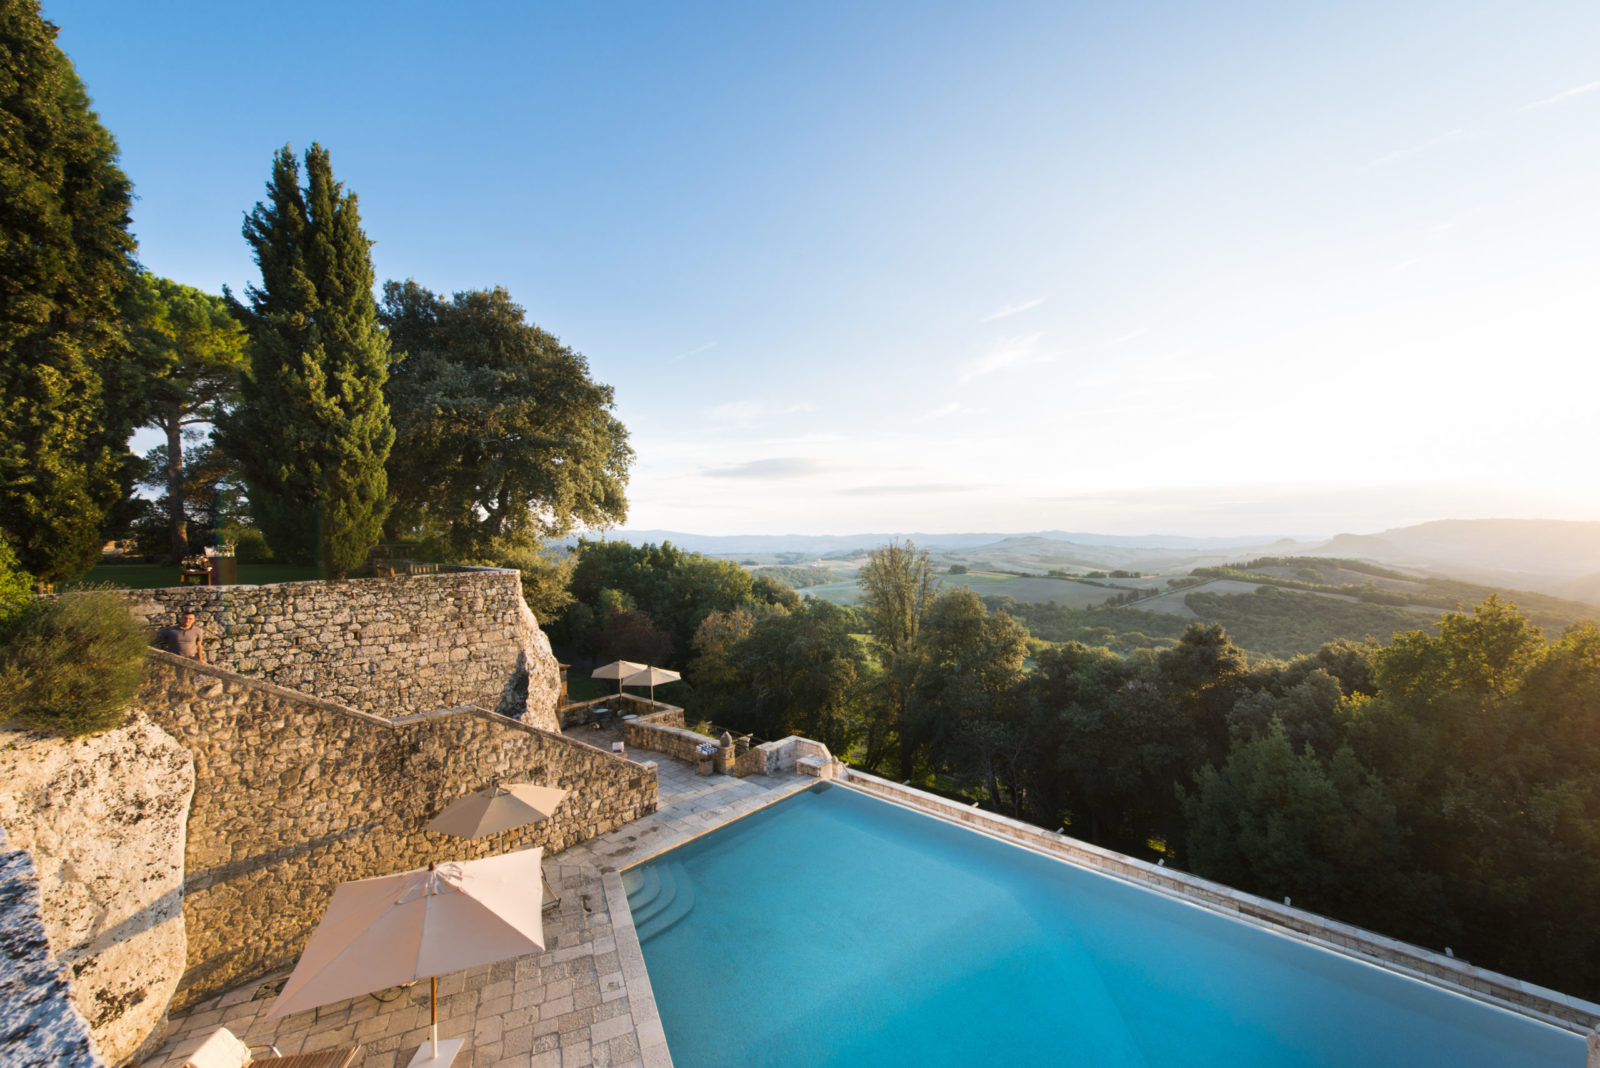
389	646
294	794
104	820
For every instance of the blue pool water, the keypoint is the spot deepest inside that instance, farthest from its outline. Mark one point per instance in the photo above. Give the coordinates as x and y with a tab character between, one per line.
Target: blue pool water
837	929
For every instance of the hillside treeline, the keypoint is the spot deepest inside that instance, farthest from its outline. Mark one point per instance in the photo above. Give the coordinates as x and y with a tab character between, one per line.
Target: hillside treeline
1440	789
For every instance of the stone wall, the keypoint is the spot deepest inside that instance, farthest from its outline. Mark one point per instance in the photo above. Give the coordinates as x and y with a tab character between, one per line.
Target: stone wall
39	1025
294	795
104	819
389	646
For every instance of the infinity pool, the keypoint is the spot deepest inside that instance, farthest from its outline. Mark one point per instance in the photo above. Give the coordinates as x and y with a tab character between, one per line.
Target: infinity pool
836	929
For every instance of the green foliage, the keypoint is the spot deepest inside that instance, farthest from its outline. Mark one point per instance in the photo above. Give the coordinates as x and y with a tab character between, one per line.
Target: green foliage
546	573
312	433
16	586
897	585
796	672
961	708
675	590
1314	574
1277	821
1487	738
70	666
67	256
500	431
1289	624
191	351
957	569
249	544
798	578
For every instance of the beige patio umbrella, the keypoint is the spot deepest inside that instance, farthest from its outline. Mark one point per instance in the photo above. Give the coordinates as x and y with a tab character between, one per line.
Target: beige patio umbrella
651	677
497	810
616	670
500	809
420	924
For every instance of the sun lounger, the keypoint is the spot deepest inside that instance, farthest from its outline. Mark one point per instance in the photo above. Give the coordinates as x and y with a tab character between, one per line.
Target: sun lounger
223	1049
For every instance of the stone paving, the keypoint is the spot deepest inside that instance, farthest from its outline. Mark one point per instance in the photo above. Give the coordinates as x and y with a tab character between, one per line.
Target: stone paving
584	1001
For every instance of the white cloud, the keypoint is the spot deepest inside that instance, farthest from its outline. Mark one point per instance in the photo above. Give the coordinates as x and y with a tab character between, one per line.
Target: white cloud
1012	309
1006	354
1131	335
1432	142
680	357
1567	94
943	410
777	467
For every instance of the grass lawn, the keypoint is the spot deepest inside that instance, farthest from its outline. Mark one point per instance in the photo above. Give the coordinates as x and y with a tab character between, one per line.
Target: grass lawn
156	576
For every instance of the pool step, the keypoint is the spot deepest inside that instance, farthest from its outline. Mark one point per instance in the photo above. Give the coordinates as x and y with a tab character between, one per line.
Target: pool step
669	904
643	885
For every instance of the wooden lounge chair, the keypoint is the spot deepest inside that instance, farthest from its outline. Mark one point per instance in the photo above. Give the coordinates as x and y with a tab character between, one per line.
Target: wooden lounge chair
223	1049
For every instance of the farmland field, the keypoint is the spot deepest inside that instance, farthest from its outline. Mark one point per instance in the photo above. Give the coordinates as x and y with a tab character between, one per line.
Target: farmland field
986	584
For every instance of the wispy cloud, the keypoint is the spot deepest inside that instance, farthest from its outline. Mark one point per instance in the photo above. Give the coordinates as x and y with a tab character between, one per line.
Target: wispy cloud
1006	354
902	489
943	410
1414	150
1012	309
1131	335
680	357
1567	95
777	467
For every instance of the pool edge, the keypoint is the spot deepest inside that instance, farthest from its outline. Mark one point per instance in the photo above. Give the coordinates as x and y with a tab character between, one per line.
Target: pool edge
1547	1006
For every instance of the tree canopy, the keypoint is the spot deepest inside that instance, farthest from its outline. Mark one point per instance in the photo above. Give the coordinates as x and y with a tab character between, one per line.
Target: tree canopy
192	351
65	257
500	430
312	432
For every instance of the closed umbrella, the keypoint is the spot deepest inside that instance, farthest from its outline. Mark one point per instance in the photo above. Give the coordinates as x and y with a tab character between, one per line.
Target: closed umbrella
420	924
616	670
651	677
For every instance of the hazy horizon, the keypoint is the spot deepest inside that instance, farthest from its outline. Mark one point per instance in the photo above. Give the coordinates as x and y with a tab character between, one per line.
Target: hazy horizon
1225	269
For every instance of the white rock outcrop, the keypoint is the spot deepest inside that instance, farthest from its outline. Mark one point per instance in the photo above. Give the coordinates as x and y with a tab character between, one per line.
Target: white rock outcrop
104	819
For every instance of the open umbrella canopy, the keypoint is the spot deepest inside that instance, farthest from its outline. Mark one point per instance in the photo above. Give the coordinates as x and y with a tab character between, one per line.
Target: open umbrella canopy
382	932
651	677
616	669
499	808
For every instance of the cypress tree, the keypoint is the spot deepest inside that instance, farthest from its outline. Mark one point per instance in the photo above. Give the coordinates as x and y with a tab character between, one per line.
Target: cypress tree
312	433
65	258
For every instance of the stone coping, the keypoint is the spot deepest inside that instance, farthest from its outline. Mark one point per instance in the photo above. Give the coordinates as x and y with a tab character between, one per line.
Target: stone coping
444	571
1457	976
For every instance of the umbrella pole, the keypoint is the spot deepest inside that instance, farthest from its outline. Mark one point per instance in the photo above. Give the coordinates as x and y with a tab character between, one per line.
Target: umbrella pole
433	1015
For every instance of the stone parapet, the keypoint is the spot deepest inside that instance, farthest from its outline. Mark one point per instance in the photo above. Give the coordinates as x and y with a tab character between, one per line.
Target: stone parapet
389	646
295	794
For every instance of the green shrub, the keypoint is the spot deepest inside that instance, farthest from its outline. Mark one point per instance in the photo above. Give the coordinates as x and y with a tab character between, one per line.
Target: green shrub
249	544
70	666
16	585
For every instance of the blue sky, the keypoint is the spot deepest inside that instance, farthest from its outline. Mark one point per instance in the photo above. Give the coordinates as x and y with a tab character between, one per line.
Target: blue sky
1204	269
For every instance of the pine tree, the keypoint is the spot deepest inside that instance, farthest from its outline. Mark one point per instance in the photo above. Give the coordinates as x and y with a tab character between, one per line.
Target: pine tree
65	257
312	433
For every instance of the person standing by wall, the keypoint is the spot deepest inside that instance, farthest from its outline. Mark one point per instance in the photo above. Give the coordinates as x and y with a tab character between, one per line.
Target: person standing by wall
186	639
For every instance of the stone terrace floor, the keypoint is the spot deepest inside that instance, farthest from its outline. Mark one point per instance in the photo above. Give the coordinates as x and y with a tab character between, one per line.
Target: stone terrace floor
585	1000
